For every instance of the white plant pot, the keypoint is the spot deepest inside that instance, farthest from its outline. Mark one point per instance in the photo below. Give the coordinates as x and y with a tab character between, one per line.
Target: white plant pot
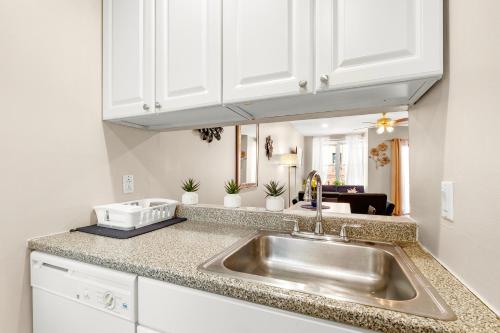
190	198
275	204
232	200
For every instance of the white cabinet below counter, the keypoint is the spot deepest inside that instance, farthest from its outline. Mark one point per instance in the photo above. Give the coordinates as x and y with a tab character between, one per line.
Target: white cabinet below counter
142	329
168	308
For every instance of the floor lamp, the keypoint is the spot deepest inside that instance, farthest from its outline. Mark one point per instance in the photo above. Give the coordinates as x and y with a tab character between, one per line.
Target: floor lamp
289	160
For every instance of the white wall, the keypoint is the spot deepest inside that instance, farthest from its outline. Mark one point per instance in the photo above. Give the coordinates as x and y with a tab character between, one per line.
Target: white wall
379	180
186	155
454	136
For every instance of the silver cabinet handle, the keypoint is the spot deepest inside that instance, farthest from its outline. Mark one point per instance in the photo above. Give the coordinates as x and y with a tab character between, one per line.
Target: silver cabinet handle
303	83
324	78
145	107
157	105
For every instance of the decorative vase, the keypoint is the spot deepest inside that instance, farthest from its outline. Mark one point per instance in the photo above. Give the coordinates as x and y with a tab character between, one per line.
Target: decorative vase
275	204
232	200
190	198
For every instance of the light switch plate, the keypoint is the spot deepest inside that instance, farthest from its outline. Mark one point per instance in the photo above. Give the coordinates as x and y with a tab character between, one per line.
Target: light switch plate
447	200
128	184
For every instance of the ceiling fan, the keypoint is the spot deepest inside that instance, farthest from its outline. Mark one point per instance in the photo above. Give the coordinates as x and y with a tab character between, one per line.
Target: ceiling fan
386	124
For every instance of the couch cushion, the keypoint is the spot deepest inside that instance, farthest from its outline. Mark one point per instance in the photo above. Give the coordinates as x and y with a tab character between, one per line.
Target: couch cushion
360	202
344	188
329	188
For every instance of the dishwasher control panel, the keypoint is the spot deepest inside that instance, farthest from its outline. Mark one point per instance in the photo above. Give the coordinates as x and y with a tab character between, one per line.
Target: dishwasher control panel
98	287
109	299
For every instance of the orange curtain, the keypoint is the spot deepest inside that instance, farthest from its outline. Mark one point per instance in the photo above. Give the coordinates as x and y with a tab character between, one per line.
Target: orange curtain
396	191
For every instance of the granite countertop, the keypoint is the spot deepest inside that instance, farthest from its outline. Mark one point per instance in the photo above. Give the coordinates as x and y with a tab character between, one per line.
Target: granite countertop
173	254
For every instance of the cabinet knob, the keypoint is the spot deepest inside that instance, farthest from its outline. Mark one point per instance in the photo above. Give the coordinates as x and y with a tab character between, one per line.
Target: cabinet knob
324	78
303	83
157	105
145	107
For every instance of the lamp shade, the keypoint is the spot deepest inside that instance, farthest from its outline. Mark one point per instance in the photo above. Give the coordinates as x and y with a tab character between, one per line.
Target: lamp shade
288	159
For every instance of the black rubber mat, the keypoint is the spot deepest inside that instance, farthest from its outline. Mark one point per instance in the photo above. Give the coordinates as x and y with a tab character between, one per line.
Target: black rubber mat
124	234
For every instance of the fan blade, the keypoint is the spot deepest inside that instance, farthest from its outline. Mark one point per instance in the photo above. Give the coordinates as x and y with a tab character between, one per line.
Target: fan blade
401	120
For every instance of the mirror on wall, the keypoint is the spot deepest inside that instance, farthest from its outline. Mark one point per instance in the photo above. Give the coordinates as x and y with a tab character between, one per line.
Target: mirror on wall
247	155
363	160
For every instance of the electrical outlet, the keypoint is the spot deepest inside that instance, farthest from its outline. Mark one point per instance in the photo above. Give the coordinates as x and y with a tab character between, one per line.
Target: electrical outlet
128	184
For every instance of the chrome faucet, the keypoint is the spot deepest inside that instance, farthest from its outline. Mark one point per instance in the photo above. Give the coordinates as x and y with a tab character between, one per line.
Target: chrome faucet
318	229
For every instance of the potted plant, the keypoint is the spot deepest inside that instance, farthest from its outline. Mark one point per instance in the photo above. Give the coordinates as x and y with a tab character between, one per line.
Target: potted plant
232	199
190	186
274	201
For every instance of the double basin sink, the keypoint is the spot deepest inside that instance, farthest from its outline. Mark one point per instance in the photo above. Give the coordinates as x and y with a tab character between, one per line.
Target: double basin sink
375	274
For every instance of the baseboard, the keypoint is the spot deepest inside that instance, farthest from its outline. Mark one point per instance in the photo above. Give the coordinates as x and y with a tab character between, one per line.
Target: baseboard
462	281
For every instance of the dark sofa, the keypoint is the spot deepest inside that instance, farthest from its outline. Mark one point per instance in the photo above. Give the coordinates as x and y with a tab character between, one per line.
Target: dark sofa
359	202
332	192
343	188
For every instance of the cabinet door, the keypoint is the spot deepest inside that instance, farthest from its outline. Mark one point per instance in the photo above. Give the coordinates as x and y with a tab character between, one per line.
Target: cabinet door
364	42
169	308
188	53
267	49
128	58
142	329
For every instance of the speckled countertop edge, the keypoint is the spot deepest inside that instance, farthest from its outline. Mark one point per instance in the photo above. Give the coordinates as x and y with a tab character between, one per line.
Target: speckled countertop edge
173	255
373	227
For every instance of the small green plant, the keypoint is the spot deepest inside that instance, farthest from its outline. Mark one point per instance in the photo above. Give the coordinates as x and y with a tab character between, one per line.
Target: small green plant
232	187
274	189
190	185
338	182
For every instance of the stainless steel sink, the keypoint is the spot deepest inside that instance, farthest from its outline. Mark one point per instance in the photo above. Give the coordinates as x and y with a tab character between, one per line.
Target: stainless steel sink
376	274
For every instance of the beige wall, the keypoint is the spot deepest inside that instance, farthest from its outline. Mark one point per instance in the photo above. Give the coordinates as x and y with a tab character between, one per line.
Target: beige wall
57	158
186	155
379	179
454	136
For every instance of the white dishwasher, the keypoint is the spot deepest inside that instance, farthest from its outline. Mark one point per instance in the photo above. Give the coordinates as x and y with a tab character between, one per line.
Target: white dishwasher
74	297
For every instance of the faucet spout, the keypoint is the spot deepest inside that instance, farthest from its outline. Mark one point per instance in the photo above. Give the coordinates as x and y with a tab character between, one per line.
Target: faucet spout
318	230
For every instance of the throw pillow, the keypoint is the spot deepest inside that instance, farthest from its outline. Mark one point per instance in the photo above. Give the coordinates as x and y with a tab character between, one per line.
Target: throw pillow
352	190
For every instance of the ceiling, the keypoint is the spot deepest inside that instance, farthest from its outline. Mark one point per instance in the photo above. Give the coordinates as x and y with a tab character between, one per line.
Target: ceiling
340	125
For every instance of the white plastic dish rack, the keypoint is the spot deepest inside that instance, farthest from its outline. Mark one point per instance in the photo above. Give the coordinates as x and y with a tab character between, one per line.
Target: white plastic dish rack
135	214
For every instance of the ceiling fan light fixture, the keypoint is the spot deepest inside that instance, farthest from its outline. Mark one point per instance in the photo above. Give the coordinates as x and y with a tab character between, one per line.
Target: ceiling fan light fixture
380	130
390	129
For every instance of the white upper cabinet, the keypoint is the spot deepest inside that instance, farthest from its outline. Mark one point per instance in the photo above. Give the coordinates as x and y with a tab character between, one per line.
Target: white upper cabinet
367	42
188	53
267	49
128	58
170	64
